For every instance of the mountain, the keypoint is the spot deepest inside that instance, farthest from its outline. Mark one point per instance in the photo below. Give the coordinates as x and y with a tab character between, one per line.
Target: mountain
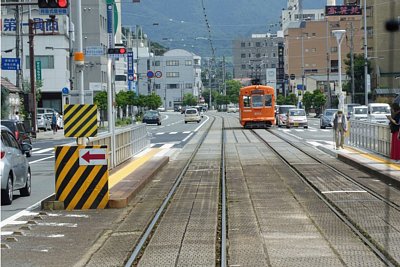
182	23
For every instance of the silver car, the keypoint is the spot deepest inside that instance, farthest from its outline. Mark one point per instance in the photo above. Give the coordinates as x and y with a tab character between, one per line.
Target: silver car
14	167
43	122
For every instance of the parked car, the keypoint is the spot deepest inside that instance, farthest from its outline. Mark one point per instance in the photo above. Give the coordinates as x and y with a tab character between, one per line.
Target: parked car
360	113
60	122
46	110
378	112
42	122
14	167
20	133
349	108
192	115
281	116
231	108
296	118
152	117
327	118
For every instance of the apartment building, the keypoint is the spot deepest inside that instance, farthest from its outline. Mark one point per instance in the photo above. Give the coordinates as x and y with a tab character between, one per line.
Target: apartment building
176	73
253	56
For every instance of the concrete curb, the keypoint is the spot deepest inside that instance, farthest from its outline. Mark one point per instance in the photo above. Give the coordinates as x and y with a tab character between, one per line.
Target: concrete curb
123	192
386	178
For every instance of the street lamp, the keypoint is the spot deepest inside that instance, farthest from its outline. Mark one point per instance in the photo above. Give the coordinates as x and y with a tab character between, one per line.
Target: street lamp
365	54
339	37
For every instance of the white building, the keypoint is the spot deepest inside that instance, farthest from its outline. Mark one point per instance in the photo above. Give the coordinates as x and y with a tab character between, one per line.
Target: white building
177	73
51	50
294	12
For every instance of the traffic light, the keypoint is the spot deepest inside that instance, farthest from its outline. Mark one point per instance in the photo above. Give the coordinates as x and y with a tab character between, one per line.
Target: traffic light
53	3
117	51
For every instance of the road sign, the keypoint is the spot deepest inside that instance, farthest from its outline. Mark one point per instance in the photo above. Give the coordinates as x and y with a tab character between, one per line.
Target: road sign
131	70
158	74
53	11
80	120
80	186
94	51
150	74
38	69
93	156
10	63
65	91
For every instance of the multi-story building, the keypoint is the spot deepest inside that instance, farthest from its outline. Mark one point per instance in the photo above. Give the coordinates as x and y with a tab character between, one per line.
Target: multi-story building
311	51
176	73
253	56
51	50
383	45
295	12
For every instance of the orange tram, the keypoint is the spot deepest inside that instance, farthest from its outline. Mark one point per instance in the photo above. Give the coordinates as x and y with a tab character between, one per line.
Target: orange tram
257	106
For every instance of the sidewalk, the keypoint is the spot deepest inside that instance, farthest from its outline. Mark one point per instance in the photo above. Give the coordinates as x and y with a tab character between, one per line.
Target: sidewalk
49	135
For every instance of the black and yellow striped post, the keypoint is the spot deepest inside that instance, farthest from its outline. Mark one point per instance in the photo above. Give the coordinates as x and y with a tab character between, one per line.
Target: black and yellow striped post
82	177
80	120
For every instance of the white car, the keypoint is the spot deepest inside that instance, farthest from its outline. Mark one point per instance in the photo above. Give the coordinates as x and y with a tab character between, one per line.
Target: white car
296	118
192	115
359	113
378	112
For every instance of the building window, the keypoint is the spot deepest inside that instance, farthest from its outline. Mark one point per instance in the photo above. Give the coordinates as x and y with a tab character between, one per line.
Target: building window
197	62
334	65
157	63
258	55
370	32
273	65
258	44
334	49
172	74
243	67
243	55
172	86
313	50
242	44
172	63
188	63
157	86
249	44
188	85
274	54
120	78
46	61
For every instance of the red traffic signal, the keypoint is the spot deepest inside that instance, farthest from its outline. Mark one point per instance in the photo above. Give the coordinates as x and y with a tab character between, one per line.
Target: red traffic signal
117	51
53	3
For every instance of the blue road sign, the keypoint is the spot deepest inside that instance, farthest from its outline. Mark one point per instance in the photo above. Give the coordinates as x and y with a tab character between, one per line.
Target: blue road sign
65	91
131	70
109	18
150	74
10	63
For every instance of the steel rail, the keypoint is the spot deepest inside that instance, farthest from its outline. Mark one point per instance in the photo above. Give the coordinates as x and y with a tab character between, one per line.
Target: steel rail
223	198
141	244
386	259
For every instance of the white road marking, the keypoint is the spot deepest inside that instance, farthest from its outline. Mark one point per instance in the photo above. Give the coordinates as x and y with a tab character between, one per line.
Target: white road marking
167	146
159	133
299	130
35	161
173	132
187	137
43	150
344	191
207	118
186	132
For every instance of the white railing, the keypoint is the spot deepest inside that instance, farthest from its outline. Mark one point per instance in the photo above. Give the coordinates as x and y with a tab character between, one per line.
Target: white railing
375	137
129	141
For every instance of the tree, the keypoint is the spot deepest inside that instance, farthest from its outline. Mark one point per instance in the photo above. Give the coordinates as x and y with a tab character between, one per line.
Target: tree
100	99
307	100
291	99
153	101
222	100
206	95
319	100
280	100
233	90
189	100
358	76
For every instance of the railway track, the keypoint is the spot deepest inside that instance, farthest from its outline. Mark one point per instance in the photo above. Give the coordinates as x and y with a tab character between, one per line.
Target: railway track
377	246
220	246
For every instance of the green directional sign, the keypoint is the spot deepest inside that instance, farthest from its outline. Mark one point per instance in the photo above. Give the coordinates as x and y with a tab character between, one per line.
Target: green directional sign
38	68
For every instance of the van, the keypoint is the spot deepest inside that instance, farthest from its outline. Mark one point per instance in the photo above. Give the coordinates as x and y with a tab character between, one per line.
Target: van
348	109
378	112
360	113
192	115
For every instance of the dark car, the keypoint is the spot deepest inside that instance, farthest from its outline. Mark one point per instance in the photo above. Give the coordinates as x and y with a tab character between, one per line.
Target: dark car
327	118
19	131
152	117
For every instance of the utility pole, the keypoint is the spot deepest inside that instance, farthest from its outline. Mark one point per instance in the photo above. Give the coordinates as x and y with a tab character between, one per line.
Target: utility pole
365	54
17	43
352	62
223	74
32	99
328	63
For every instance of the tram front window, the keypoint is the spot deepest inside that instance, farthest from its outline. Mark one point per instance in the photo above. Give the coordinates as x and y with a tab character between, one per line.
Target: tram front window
246	101
257	101
268	100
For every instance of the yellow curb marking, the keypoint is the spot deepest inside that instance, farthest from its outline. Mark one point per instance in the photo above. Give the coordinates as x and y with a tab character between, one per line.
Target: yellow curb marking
122	173
391	164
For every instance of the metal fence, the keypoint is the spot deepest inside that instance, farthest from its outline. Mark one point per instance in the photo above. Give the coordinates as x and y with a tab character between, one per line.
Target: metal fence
375	137
129	141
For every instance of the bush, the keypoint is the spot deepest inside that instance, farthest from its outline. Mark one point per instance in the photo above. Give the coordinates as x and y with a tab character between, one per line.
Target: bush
123	122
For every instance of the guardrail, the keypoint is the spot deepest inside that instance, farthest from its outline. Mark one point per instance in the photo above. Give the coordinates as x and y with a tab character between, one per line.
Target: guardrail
375	137
129	141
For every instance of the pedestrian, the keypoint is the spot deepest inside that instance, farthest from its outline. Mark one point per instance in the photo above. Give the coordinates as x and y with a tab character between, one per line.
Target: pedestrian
54	123
394	129
16	117
340	128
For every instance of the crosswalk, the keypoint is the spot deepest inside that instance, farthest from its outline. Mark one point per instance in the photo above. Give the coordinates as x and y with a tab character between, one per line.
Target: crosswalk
165	145
172	133
42	151
310	129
